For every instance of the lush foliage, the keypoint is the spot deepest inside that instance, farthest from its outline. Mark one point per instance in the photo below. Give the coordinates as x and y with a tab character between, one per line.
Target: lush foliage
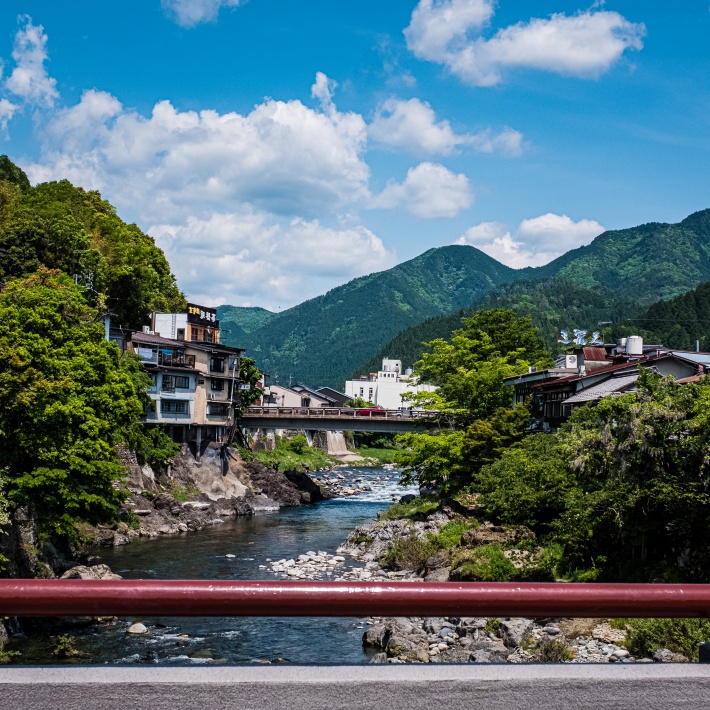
677	323
60	226
684	636
551	303
469	372
623	485
294	455
249	374
644	263
67	397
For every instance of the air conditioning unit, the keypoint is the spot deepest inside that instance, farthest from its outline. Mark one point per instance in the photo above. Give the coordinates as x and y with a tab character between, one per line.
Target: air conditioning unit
210	396
571	361
146	329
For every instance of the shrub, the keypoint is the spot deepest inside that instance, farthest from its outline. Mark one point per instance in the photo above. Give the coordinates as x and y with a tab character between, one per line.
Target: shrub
485	564
420	507
645	636
409	552
450	534
298	444
553	651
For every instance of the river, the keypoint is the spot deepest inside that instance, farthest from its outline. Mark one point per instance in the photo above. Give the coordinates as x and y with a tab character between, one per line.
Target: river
203	555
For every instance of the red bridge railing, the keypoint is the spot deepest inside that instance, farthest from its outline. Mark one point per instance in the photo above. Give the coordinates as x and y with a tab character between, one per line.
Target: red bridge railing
54	597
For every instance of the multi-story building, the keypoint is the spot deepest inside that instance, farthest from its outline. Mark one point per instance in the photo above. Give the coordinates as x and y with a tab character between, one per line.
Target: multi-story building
386	387
195	379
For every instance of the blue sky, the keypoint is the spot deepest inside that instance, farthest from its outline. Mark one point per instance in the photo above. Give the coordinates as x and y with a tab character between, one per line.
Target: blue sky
276	149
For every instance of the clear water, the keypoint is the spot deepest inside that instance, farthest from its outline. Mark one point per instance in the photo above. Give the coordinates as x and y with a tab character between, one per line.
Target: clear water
202	555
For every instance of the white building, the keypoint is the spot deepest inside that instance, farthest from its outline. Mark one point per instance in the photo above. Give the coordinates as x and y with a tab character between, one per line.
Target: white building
386	387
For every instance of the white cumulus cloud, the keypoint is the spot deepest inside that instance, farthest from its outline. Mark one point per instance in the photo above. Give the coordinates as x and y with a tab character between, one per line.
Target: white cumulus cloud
29	79
412	126
429	191
188	13
282	157
535	242
253	257
7	111
585	44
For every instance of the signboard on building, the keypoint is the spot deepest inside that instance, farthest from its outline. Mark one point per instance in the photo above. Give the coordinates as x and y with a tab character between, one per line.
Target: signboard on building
201	315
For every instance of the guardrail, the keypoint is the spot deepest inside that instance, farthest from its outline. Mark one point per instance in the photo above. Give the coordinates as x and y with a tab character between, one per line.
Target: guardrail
57	597
330	412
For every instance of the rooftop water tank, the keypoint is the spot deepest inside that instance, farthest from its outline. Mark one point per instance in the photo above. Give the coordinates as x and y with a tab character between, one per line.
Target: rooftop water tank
621	345
408	371
634	345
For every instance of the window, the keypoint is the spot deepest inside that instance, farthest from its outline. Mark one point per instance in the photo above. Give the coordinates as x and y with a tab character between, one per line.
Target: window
168	383
217	385
194	333
181	382
174	406
181	334
362	391
218	410
216	364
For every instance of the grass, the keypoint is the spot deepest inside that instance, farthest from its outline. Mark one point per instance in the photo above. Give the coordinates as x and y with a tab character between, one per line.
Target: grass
645	636
418	508
484	564
450	535
382	456
184	493
294	456
405	553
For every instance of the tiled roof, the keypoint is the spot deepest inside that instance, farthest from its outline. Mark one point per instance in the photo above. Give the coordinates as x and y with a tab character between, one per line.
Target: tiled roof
614	385
141	337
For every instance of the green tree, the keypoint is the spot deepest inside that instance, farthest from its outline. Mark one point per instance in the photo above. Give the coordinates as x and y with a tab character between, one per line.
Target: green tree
469	372
251	375
67	397
60	226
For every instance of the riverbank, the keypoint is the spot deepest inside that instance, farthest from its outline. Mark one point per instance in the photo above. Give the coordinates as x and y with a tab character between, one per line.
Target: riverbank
427	539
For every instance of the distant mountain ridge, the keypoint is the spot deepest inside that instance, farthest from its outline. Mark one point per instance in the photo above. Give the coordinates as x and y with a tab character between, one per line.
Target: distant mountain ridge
327	339
321	341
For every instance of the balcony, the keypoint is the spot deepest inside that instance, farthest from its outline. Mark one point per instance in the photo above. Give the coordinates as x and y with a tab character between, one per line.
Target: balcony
175	359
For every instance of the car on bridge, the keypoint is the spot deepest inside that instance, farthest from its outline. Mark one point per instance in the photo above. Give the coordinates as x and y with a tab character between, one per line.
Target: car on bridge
374	411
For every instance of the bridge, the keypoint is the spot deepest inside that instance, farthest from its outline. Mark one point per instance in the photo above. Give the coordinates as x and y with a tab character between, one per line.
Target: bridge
335	419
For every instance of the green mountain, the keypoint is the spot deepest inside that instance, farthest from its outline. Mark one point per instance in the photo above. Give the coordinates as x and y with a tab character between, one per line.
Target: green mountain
59	226
646	263
677	323
552	304
237	322
321	341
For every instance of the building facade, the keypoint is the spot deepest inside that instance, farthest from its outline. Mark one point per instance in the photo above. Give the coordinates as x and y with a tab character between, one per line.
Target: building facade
386	387
195	382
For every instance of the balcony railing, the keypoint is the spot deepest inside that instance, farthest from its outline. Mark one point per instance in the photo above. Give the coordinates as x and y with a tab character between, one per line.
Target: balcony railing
176	359
60	597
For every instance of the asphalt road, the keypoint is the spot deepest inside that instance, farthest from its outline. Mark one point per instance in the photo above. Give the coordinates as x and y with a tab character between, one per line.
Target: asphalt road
411	687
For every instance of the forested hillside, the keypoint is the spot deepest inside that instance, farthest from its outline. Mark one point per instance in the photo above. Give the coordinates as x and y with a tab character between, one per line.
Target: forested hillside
349	330
551	303
321	341
677	323
646	263
236	321
60	226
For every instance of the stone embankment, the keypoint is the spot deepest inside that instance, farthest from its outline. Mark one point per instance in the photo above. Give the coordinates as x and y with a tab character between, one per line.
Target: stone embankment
192	495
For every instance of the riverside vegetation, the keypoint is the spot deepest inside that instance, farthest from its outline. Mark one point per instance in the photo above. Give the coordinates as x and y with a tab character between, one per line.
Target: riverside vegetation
621	492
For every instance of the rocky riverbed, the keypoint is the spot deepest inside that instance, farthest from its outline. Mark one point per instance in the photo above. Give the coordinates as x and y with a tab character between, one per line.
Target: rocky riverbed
453	639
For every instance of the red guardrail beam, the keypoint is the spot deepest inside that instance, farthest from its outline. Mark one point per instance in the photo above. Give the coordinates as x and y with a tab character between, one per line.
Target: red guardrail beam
65	597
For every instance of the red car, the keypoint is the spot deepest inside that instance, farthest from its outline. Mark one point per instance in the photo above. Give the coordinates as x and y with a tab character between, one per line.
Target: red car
374	411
